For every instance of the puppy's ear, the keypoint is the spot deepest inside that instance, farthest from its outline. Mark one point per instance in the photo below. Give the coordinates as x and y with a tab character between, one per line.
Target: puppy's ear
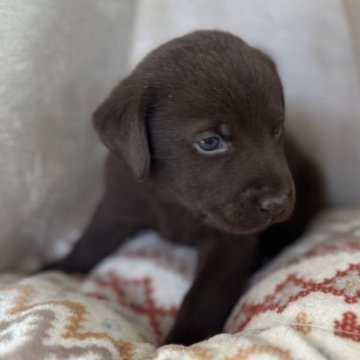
121	124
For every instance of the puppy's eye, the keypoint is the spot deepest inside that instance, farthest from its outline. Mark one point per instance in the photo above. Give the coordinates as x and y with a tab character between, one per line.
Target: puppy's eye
211	145
278	131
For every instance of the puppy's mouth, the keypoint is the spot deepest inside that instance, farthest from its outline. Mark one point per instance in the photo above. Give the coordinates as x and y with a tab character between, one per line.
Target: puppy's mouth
244	226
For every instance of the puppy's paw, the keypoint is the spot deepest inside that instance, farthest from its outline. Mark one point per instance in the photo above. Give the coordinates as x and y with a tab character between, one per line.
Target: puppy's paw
184	336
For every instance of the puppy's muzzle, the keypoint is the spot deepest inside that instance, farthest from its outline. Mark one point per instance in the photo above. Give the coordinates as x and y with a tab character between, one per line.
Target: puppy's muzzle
273	204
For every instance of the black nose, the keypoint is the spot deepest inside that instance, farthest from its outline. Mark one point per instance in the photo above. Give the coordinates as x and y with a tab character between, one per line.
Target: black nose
274	203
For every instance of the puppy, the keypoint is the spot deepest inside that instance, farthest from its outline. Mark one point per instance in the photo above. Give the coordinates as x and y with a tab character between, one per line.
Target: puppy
196	140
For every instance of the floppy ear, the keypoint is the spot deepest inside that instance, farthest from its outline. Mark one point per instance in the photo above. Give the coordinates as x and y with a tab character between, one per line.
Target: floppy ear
120	123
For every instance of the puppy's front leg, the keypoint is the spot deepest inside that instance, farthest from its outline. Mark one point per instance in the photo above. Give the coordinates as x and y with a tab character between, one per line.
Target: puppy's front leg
105	233
223	270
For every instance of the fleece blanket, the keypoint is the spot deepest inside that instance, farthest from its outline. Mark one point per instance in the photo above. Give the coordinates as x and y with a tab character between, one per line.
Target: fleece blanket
303	306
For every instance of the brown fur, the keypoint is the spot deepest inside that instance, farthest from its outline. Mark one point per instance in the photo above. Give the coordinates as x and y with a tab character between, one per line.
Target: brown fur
207	82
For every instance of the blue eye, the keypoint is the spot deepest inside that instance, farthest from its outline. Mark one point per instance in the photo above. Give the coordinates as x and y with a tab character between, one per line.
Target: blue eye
210	144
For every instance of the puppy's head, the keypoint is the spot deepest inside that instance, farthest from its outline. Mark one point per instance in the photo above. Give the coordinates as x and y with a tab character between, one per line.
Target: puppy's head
202	118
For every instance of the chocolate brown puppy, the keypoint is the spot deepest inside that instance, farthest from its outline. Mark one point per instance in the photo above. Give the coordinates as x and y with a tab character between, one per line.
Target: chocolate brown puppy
196	140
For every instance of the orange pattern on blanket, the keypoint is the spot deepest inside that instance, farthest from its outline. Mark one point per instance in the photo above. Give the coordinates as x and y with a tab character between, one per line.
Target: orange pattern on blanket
302	323
73	323
276	353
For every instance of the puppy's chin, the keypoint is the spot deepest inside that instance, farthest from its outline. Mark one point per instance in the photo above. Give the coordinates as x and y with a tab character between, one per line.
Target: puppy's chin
239	229
244	227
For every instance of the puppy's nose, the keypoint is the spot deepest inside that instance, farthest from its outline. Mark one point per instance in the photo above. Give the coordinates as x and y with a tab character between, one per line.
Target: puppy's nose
273	203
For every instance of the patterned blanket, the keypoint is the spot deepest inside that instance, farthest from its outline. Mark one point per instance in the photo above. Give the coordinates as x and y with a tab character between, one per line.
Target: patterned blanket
305	305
